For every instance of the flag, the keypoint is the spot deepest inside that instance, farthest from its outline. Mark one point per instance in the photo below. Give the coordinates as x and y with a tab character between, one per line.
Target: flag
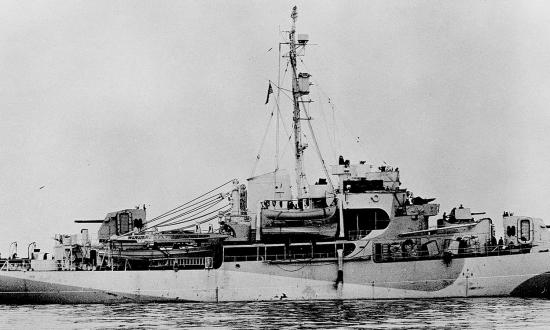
269	91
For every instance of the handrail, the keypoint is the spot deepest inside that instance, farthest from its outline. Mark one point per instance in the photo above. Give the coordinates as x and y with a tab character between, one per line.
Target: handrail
293	199
293	204
280	256
482	251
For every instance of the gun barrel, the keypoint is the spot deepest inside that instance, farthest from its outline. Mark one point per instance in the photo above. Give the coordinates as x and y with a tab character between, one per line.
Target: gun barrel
88	221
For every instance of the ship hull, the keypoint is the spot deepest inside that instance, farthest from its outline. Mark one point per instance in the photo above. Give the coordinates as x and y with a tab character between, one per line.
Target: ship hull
526	275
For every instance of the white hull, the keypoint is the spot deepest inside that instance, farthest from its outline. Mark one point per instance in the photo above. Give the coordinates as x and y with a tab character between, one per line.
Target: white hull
521	274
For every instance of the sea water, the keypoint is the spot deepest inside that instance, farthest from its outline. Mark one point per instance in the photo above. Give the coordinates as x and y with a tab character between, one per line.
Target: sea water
473	313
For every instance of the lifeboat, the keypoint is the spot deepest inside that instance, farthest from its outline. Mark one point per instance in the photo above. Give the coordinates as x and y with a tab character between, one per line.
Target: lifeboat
300	214
326	230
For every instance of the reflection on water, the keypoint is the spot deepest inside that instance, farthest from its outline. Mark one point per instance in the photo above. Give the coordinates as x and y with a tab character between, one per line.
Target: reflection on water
500	313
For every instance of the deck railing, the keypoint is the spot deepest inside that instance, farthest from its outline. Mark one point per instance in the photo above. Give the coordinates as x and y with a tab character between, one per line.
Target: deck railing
279	257
15	265
179	262
289	204
467	252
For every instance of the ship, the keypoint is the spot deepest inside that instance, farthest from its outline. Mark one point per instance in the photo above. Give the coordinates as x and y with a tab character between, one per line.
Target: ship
354	234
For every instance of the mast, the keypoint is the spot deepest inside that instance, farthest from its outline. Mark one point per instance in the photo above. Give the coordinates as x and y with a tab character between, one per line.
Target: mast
298	146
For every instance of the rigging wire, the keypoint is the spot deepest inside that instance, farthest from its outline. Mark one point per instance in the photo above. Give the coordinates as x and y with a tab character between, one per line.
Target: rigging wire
329	179
193	218
331	144
262	143
344	121
284	124
200	222
217	196
202	208
279	115
199	209
278	107
288	143
314	139
278	112
322	91
289	140
187	203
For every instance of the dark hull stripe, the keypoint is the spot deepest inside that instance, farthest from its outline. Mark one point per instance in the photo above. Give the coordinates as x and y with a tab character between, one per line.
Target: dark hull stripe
25	291
536	287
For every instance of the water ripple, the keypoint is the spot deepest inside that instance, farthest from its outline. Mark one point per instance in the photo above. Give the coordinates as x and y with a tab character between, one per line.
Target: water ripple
476	313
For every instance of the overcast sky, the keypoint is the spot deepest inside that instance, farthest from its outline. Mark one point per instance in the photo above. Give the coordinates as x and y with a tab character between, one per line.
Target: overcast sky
111	104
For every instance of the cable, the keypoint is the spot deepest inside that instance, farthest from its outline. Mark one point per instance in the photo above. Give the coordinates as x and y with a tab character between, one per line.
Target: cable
194	199
318	150
217	196
191	219
202	208
262	144
200	222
